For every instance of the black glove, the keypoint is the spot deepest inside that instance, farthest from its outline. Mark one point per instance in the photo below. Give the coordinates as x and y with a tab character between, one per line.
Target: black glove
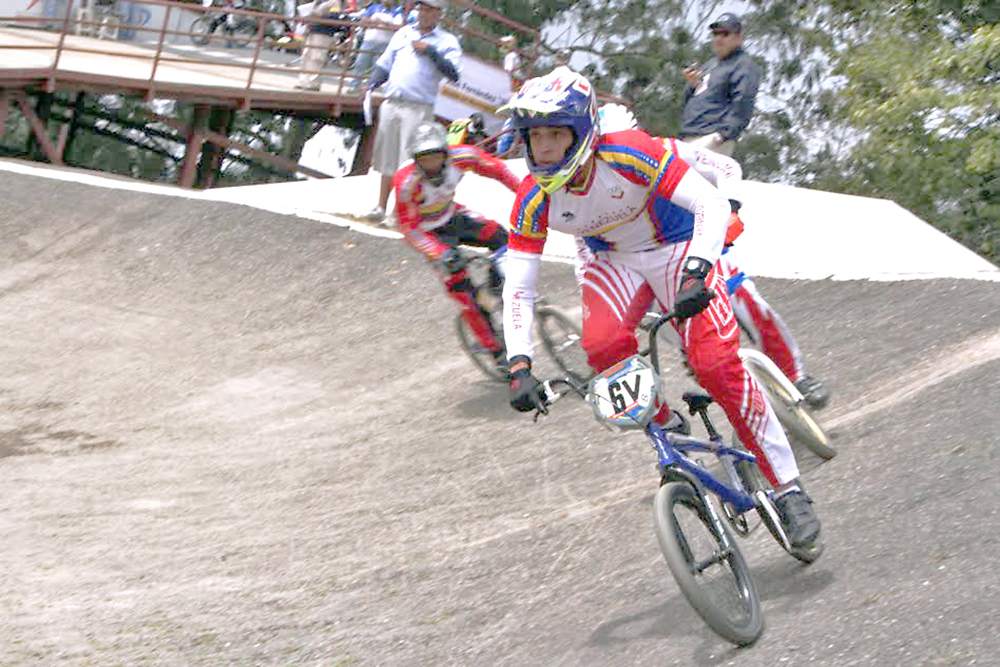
694	295
452	260
525	390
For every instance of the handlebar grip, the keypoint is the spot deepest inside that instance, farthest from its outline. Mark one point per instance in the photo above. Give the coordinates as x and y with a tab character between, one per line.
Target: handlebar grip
549	395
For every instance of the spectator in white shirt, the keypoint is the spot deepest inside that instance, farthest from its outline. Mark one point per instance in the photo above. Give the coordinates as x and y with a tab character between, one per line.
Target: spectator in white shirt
417	59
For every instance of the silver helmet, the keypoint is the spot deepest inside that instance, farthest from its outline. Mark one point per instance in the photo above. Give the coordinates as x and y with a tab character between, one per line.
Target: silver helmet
429	138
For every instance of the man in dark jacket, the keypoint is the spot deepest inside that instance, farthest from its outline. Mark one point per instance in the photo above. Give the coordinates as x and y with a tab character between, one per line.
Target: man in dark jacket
719	98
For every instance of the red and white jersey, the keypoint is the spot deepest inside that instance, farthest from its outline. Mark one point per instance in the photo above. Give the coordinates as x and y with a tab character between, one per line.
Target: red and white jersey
640	196
422	207
721	170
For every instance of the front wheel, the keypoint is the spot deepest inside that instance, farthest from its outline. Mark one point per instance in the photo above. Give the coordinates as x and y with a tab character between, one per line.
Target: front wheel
796	419
481	357
707	564
561	338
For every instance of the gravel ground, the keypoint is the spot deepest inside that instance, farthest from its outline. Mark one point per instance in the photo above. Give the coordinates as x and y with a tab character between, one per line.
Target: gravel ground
234	438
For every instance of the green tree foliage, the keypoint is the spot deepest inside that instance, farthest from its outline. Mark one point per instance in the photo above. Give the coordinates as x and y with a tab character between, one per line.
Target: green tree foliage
921	90
880	98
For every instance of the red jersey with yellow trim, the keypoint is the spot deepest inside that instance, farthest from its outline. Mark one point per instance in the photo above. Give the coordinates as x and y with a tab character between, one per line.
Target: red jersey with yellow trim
629	204
422	207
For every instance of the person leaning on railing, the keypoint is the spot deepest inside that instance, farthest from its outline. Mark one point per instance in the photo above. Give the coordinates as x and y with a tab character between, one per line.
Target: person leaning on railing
375	38
719	97
320	39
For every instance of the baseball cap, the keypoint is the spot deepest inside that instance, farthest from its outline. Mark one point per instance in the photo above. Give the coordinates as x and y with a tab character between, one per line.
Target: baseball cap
728	22
437	4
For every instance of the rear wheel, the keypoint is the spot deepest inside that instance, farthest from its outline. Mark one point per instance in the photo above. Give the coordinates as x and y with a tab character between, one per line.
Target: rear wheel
244	33
796	419
713	577
201	30
561	338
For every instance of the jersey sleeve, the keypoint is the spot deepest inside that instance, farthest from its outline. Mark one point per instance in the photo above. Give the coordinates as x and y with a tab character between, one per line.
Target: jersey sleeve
471	158
529	218
710	210
529	224
519	294
721	171
407	187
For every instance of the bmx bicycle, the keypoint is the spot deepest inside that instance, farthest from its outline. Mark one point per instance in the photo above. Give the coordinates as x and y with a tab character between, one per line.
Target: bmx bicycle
696	538
239	29
559	334
561	339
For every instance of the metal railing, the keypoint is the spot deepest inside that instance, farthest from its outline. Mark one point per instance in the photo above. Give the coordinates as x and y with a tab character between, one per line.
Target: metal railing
164	29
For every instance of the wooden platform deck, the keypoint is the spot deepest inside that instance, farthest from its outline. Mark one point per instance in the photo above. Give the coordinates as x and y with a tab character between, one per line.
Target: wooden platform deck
54	61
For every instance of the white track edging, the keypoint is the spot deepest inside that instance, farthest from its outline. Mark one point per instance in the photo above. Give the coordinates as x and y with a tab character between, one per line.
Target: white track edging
791	233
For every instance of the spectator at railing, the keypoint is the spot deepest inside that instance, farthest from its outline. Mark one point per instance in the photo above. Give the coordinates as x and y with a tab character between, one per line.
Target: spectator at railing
320	39
375	38
511	61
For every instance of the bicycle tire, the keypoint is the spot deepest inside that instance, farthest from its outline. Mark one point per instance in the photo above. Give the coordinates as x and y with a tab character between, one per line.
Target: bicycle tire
481	357
201	30
797	421
561	339
244	32
742	625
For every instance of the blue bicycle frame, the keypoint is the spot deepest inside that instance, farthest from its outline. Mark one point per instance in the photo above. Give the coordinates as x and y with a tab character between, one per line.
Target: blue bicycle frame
671	451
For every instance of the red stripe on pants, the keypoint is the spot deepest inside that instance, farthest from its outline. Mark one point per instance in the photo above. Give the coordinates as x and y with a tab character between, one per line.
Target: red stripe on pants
712	342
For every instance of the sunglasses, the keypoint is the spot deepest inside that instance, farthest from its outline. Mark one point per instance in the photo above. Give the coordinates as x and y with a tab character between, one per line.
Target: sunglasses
721	33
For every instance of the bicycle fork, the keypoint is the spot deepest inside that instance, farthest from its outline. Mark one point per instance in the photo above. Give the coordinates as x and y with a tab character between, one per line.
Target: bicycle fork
671	469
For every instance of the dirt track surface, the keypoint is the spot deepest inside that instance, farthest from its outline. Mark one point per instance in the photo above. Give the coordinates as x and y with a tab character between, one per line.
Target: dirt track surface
233	438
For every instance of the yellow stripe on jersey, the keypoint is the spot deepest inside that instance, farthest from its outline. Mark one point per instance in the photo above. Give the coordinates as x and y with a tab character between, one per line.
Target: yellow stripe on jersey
637	163
529	214
668	157
435	208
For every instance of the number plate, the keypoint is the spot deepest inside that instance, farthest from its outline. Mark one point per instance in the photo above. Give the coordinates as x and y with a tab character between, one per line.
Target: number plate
624	396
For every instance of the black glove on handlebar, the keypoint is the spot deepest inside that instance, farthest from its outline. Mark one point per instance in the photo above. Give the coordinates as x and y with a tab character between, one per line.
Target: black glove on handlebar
694	295
525	389
452	260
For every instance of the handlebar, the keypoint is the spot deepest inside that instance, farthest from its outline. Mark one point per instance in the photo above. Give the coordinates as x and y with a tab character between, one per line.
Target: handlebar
654	356
549	393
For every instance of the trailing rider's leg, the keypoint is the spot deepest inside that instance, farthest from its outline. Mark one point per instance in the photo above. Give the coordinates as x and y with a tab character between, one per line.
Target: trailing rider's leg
461	290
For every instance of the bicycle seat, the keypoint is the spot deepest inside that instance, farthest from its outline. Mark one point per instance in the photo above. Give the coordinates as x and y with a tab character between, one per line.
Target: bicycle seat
696	402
